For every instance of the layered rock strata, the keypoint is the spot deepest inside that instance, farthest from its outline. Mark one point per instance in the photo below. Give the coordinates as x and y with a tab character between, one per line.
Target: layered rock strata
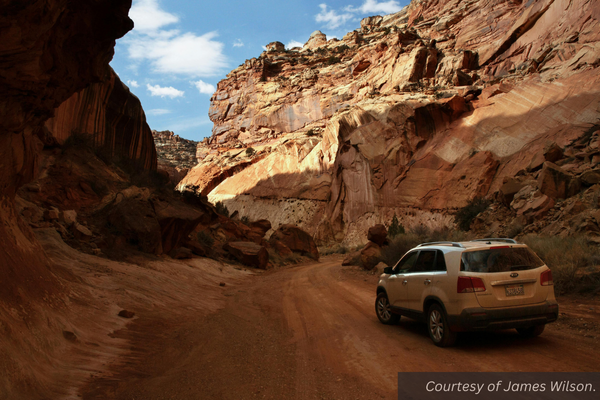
175	154
415	113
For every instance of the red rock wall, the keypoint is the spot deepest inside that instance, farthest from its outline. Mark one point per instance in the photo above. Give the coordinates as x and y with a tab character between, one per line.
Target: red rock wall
112	115
49	50
414	113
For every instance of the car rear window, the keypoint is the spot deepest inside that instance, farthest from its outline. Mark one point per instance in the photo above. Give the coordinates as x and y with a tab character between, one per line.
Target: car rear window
500	259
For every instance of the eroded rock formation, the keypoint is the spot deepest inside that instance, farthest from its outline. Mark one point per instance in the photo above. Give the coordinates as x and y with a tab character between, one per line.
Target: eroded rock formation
112	116
415	113
175	154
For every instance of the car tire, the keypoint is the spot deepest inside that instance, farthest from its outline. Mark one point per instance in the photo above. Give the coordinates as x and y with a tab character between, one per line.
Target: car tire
531	331
383	310
438	328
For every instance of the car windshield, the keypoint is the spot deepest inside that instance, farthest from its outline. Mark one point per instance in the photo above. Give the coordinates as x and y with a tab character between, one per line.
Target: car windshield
500	259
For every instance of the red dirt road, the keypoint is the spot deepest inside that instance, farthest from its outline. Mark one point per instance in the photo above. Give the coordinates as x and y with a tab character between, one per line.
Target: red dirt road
310	332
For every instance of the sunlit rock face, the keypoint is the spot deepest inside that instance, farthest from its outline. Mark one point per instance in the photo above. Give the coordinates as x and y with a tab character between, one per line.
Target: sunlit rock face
415	113
175	154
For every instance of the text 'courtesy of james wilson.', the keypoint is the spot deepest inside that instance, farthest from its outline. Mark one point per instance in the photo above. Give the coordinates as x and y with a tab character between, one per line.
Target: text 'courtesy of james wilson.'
499	385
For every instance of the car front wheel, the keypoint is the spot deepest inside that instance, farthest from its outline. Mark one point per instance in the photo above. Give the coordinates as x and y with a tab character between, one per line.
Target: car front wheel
384	310
439	330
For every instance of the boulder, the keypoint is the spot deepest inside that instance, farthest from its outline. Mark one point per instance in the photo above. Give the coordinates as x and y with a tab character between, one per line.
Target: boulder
591	177
297	240
352	259
275	46
380	267
177	220
316	39
196	248
136	222
80	232
69	217
538	207
556	182
377	234
509	189
461	79
281	248
370	256
553	152
248	253
261	225
181	253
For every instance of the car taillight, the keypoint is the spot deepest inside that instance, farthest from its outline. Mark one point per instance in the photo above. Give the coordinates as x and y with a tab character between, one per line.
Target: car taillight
546	278
467	284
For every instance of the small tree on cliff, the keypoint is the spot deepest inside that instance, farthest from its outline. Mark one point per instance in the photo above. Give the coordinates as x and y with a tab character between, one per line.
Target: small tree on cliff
395	228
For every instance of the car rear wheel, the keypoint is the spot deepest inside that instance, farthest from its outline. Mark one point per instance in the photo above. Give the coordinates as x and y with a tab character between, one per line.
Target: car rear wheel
384	310
439	330
531	331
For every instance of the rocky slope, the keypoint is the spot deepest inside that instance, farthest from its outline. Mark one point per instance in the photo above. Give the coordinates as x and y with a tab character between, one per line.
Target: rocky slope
415	113
175	154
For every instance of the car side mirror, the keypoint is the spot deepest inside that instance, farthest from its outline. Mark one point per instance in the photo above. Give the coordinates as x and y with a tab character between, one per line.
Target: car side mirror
388	270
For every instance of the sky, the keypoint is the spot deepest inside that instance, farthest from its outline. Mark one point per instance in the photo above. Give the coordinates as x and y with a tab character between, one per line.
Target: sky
180	49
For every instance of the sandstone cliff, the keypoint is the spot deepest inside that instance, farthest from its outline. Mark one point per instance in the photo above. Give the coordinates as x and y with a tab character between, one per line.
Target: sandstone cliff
176	155
49	50
112	115
415	113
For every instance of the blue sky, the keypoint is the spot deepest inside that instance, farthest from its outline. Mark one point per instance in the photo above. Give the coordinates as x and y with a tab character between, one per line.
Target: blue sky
180	49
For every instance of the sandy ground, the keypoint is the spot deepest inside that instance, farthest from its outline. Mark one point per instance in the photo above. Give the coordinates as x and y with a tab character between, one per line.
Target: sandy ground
310	332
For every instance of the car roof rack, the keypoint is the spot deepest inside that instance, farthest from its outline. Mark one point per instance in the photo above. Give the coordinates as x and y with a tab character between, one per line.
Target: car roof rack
453	244
505	240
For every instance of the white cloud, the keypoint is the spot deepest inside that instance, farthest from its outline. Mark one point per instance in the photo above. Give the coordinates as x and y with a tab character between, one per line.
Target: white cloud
133	83
238	43
169	91
204	87
293	43
171	51
331	18
189	123
158	111
148	17
372	6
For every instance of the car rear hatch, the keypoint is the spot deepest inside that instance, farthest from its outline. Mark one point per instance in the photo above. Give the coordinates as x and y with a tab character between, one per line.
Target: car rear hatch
511	275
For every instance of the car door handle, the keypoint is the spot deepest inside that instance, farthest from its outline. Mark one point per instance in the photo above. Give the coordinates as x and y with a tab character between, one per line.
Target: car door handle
404	282
427	281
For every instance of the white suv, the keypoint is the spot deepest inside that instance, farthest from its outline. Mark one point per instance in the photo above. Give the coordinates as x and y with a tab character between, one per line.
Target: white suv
479	285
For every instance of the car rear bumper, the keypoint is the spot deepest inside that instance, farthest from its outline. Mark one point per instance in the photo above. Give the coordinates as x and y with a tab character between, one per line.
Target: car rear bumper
517	317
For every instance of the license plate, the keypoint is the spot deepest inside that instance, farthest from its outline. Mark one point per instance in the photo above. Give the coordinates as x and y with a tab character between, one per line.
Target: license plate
514	290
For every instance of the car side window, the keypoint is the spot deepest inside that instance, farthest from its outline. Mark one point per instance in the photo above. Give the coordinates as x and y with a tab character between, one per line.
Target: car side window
425	262
440	261
407	263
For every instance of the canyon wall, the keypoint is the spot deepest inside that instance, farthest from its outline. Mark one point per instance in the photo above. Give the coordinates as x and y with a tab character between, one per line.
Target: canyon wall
415	113
112	116
49	50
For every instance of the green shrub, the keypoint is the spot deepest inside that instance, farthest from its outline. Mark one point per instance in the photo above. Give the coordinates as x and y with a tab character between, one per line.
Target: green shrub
395	228
79	140
205	239
421	230
333	60
575	263
464	216
245	220
250	152
222	208
398	246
